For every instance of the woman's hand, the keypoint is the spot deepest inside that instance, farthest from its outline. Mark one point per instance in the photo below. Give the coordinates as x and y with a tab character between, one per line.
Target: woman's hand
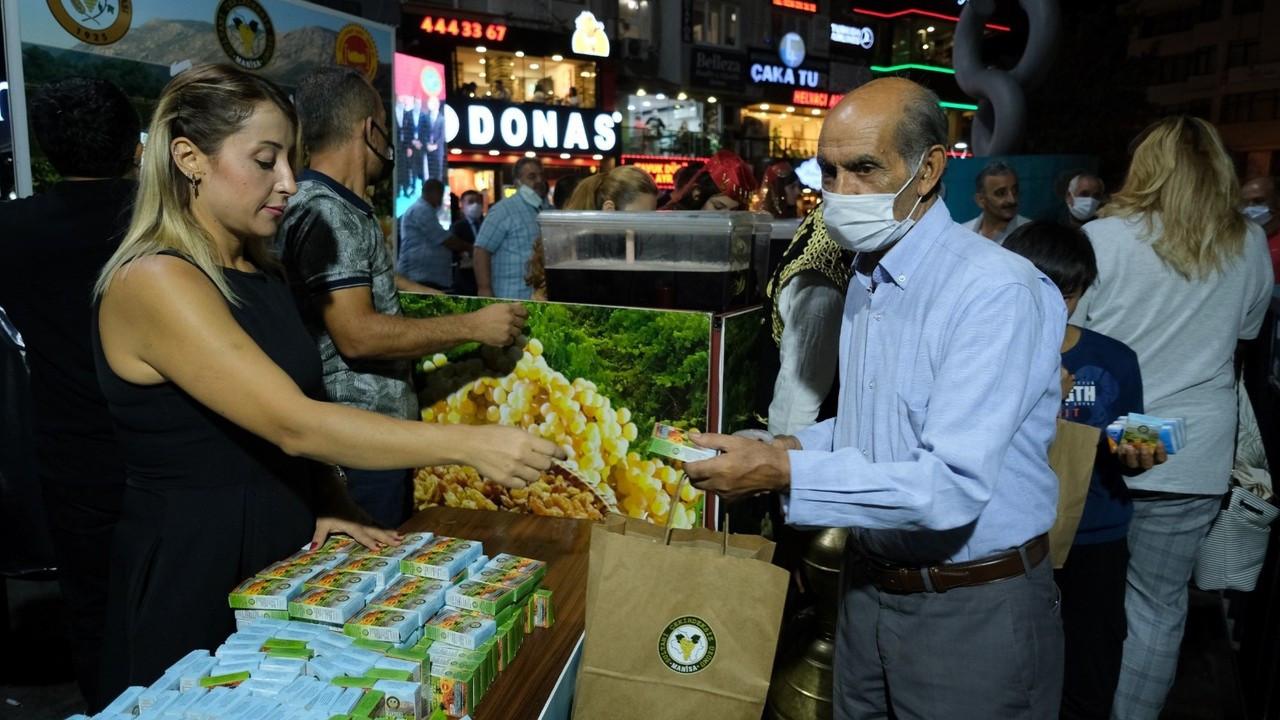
509	456
374	538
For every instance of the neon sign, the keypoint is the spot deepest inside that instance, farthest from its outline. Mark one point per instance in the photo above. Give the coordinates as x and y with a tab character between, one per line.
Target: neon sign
802	5
504	127
761	72
813	98
850	35
492	32
663	168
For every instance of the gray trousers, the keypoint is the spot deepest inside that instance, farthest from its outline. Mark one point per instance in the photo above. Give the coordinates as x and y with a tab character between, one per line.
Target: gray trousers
985	652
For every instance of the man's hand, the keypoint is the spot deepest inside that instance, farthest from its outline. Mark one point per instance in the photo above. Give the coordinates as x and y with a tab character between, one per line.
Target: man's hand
1140	458
498	324
743	468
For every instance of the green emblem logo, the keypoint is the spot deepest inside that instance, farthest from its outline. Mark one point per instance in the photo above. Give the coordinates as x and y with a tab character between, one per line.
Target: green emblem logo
687	645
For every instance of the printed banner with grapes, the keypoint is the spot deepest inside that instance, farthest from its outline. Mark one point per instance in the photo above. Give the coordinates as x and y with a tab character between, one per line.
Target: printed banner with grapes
592	379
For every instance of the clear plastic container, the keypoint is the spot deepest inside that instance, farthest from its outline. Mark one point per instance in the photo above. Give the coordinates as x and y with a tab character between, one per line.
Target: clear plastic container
711	261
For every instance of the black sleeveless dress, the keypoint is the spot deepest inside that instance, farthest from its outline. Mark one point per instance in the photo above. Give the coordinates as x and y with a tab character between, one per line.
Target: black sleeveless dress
207	503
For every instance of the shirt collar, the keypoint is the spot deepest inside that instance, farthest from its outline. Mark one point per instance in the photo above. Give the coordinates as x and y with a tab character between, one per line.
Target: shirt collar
903	259
342	191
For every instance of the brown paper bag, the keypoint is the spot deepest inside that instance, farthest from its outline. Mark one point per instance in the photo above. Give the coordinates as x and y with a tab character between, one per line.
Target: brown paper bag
1072	454
685	629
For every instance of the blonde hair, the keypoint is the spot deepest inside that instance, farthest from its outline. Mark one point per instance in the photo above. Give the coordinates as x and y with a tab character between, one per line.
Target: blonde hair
1182	173
622	185
206	104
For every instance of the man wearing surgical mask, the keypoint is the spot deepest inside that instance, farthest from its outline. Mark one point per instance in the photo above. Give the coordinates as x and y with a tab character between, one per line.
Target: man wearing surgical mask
342	278
1260	206
937	458
466	229
1084	197
505	243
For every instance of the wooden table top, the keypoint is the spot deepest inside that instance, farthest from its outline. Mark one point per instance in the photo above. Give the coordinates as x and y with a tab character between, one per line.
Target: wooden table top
521	690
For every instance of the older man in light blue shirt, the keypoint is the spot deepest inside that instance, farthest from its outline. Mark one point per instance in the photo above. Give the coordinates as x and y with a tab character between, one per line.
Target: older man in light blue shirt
937	459
505	243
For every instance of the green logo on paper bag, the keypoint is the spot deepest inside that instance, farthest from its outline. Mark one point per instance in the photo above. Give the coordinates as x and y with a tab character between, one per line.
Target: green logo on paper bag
687	645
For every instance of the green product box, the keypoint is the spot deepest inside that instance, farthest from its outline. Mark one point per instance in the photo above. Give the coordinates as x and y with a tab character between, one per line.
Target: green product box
542	614
480	597
416	654
505	562
490	649
259	593
442	559
375	645
362	681
303	653
454	690
393	626
459	627
389	674
368	704
228	680
339	580
521	582
326	605
282	644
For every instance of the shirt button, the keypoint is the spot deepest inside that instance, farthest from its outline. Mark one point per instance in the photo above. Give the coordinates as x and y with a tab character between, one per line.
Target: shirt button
879	315
872	384
866	452
902	278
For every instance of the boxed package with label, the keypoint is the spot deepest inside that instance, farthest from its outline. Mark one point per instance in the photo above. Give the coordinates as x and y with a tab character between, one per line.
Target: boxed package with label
409	593
326	605
459	627
442	559
480	597
393	626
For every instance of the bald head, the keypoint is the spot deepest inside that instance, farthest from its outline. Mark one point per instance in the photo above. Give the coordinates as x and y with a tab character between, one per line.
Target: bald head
1259	191
880	137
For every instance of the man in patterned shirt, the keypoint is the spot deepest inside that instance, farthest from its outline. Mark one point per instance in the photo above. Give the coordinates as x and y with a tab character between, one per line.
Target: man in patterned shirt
505	243
341	273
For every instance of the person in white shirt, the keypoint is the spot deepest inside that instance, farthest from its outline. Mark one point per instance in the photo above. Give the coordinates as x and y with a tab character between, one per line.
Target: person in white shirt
996	193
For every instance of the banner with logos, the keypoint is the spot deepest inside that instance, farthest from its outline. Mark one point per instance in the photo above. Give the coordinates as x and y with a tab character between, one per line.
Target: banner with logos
140	44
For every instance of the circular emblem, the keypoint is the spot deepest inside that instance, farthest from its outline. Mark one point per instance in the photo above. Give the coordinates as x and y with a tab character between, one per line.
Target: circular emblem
97	22
356	48
791	50
245	32
432	81
687	645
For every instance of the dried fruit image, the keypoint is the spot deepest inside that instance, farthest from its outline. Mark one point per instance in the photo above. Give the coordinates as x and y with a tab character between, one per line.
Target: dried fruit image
629	368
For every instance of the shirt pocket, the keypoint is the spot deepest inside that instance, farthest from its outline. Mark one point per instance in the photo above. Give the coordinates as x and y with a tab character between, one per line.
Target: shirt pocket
912	410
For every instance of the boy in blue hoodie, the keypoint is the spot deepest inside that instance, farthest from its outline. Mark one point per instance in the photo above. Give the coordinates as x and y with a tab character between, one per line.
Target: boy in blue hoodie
1107	384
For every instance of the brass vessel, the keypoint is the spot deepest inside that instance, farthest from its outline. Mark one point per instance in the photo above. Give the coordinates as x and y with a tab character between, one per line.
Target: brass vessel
801	685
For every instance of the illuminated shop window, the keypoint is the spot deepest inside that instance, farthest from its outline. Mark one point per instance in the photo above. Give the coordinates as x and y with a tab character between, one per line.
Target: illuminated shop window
518	77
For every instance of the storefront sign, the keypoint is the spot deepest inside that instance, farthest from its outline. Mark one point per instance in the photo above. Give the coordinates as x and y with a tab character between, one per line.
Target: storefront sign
663	168
490	125
588	36
809	73
851	35
813	98
779	75
802	5
717	69
468	29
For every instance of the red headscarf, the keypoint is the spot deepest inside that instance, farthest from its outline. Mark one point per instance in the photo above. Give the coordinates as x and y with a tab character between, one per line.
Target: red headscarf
730	173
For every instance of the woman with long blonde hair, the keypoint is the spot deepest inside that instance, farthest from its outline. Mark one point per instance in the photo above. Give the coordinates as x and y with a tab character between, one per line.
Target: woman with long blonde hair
1182	276
215	384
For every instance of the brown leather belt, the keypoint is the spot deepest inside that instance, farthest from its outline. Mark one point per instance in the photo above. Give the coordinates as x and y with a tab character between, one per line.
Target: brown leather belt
892	577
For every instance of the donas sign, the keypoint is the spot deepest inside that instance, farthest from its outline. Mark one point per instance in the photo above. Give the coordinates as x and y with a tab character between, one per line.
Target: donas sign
490	125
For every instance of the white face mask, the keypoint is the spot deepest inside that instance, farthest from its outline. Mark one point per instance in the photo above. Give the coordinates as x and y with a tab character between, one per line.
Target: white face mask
1260	214
473	210
865	223
530	196
1083	208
